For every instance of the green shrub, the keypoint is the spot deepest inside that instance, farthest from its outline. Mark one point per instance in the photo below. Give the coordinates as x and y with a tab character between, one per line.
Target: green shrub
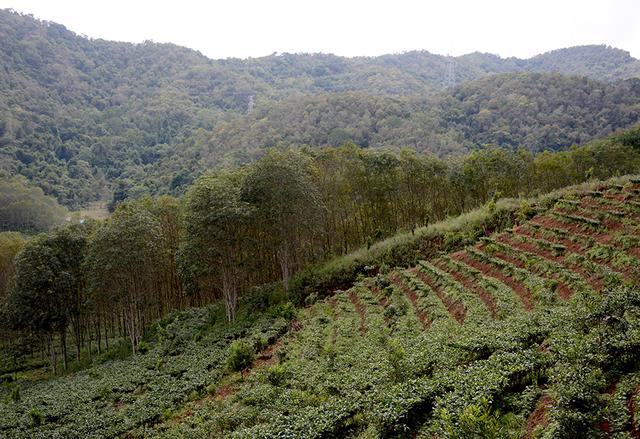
15	393
287	311
36	417
480	421
241	354
397	357
277	374
525	212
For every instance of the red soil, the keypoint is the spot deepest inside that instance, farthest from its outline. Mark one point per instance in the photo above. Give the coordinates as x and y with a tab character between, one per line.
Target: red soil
382	300
470	284
605	239
266	357
612	209
456	309
610	224
538	417
571	246
491	271
225	391
333	302
573	229
533	233
527	247
605	425
618	197
413	298
576	212
563	290
361	311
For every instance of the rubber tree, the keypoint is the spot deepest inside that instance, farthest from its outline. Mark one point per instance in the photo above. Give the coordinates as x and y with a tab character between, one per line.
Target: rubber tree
49	291
10	244
216	246
288	204
125	260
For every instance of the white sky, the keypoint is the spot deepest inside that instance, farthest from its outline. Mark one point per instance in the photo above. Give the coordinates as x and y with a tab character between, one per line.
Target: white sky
244	28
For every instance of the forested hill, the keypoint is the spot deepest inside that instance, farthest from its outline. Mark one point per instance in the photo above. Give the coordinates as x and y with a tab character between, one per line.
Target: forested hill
531	110
83	118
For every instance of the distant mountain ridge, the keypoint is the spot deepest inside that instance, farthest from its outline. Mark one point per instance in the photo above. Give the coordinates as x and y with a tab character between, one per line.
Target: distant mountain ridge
80	116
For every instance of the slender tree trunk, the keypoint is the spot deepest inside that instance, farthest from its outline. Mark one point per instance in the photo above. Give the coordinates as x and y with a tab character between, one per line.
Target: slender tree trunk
52	353
98	338
229	293
63	347
283	259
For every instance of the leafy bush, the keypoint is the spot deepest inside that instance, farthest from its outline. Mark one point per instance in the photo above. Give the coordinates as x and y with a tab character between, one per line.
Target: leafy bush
36	416
241	355
287	311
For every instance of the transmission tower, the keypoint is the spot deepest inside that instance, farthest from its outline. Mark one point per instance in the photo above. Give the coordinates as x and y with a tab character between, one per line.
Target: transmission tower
250	104
450	72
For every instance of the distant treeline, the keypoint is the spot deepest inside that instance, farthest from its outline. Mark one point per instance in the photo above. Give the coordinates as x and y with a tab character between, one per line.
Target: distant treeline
264	222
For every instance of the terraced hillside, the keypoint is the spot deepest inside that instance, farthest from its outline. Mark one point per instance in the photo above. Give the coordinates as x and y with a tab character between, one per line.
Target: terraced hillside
530	332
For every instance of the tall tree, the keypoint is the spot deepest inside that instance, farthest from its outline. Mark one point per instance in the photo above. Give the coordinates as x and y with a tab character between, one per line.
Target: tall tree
10	244
216	243
49	290
289	206
125	259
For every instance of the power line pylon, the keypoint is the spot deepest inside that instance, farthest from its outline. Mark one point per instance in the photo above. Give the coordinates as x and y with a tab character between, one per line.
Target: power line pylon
450	72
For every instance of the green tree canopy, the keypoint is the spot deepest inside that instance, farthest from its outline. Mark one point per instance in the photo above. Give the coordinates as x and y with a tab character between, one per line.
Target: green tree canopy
289	207
216	246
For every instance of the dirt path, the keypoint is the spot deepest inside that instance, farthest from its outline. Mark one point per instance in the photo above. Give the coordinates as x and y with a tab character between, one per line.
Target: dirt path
538	416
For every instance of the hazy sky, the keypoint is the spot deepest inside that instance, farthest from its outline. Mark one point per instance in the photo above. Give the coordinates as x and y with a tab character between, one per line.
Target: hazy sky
243	28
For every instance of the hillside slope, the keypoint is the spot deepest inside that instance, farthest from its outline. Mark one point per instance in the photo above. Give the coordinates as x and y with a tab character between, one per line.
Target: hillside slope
532	330
79	117
535	327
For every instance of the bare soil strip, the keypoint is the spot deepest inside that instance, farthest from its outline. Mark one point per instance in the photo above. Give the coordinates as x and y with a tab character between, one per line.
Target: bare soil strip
572	247
534	249
455	309
563	289
361	311
471	285
489	270
413	298
538	416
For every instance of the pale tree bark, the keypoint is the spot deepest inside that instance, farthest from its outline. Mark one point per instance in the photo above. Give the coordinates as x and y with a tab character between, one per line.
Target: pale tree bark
283	259
230	292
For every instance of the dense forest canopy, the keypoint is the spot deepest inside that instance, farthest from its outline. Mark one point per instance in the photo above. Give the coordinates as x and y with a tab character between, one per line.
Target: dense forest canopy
26	208
92	120
531	110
